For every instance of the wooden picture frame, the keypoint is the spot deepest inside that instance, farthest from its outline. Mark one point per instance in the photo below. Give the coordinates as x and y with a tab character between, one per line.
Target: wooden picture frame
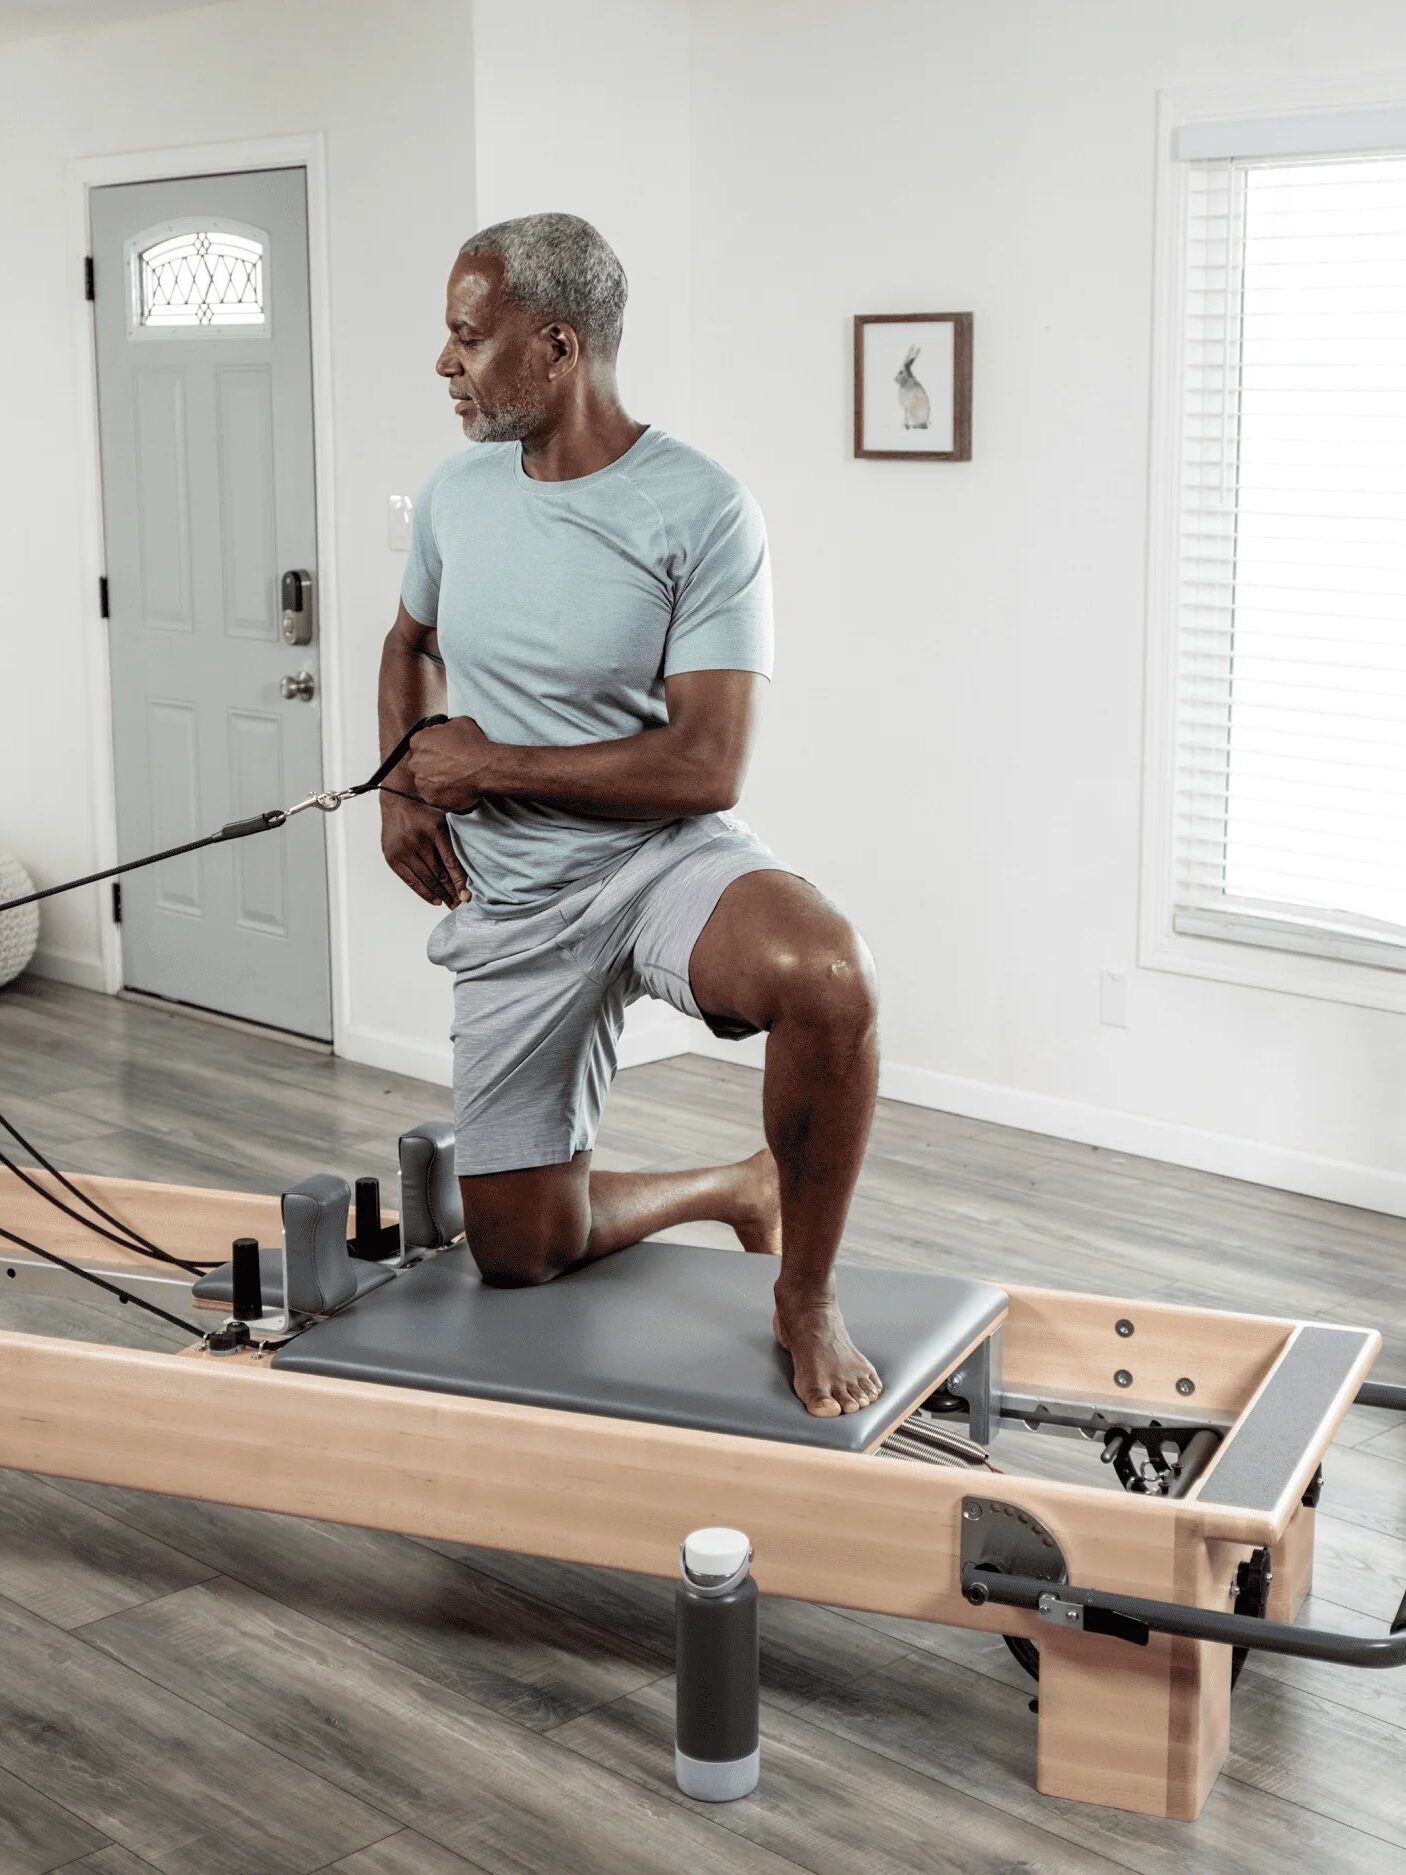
931	406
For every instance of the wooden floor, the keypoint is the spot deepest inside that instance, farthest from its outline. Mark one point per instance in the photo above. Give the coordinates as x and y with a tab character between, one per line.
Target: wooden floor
220	1692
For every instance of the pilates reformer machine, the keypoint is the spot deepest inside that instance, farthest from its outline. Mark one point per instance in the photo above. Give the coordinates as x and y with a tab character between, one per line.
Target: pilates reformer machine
373	1379
356	1369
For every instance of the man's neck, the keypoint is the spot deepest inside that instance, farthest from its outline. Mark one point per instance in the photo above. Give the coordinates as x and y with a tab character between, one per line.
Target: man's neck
587	440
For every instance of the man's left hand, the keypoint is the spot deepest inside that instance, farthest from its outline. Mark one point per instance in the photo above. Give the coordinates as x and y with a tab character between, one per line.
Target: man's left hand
445	763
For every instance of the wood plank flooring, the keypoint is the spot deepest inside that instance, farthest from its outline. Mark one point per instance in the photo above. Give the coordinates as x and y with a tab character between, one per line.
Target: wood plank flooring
207	1691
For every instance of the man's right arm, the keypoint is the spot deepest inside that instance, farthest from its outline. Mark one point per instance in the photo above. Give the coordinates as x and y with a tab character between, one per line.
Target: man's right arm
414	837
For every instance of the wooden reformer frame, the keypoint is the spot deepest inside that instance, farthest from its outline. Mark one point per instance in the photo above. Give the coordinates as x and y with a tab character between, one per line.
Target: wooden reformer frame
1142	1728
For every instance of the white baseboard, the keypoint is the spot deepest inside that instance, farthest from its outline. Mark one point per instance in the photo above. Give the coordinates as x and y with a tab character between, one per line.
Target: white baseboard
1258	1162
67	967
400	1054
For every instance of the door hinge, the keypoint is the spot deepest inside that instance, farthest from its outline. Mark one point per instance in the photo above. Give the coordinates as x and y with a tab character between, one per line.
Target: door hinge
117	901
88	292
102	597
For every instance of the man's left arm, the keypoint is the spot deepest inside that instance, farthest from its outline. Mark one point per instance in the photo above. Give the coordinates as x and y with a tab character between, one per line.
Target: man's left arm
693	764
717	655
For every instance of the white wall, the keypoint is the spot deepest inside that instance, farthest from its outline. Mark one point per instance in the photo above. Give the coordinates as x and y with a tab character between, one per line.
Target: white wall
955	740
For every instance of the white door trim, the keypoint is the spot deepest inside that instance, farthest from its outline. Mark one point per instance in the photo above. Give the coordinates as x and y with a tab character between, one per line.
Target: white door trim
308	152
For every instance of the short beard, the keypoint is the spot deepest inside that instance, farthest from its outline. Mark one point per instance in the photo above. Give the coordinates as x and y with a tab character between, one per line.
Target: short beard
511	422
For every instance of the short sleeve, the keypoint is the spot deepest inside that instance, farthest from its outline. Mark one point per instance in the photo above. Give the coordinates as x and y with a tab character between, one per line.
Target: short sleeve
722	607
419	589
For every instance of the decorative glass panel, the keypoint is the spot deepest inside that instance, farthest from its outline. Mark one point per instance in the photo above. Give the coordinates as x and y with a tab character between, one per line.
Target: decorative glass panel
206	278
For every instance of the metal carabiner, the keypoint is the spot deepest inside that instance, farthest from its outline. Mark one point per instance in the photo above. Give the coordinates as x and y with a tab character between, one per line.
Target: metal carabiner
329	801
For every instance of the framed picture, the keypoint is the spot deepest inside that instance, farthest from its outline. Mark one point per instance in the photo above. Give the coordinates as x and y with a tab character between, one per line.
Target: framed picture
913	386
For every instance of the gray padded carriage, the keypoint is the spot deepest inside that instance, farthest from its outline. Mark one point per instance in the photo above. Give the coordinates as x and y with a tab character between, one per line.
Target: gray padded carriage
661	1331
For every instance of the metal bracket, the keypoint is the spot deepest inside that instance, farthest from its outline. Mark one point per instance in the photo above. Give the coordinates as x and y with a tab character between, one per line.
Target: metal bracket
1004	1539
978	1382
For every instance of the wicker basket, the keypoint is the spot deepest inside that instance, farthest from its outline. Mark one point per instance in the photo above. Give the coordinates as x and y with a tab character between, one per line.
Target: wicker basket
19	929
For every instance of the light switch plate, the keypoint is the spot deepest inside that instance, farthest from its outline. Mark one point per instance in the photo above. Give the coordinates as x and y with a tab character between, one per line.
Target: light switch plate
398	524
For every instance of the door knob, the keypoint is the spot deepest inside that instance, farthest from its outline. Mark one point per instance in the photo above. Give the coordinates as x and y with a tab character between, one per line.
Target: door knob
298	688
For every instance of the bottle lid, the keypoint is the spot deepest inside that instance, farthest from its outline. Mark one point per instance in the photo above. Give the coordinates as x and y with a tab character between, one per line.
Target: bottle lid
716	1552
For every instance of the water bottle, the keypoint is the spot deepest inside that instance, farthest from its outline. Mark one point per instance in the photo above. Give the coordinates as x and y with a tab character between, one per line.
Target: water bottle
717	1749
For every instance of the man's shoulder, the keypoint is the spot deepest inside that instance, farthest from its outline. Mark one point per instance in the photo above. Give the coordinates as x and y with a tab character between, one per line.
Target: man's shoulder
694	492
477	459
676	464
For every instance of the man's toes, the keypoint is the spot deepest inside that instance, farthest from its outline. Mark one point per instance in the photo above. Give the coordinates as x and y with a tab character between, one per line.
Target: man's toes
821	1405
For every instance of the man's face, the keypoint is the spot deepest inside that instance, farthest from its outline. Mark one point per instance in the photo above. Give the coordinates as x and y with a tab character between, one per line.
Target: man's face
488	357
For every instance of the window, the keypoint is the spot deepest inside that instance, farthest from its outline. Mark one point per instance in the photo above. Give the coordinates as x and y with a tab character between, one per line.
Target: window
188	278
1288	557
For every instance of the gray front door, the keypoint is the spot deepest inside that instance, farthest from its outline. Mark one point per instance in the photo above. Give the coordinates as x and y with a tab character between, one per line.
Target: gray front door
205	411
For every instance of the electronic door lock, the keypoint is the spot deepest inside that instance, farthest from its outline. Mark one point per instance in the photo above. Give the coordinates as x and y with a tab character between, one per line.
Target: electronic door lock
296	587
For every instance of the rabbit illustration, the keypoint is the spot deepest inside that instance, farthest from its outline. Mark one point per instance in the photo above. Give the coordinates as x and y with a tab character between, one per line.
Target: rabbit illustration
912	398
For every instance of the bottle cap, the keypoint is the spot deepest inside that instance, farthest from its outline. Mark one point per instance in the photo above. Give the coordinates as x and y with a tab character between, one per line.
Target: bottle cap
716	1552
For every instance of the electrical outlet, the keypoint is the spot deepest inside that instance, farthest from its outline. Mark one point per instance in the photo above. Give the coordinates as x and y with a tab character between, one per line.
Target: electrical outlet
398	524
1113	999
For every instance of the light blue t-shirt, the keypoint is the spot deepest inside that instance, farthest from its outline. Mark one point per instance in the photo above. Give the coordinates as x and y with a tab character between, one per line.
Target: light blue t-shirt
561	607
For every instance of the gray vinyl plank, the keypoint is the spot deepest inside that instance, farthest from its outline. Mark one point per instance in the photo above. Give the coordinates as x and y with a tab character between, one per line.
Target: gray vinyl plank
977	1734
109	1861
829	1804
1368	1426
155	1774
36	1833
511	1653
497	1793
804	1647
405	1853
70	1319
70	1564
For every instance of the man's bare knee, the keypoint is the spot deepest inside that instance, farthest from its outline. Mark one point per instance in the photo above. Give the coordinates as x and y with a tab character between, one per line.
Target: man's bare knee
509	1260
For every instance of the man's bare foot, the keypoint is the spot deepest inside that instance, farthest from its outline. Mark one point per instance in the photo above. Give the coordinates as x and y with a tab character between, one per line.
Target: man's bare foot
758	1219
829	1373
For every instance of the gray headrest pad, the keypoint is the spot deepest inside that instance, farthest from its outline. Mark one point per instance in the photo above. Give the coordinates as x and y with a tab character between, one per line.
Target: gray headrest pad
320	1273
661	1331
431	1213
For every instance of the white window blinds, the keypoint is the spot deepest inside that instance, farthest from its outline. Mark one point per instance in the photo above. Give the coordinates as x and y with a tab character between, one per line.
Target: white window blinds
1290	820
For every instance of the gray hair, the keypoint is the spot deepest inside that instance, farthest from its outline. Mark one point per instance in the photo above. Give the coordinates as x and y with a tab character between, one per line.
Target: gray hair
561	267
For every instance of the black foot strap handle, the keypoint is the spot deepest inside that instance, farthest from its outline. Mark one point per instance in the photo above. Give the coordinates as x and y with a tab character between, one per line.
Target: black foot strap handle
1131	1618
241	829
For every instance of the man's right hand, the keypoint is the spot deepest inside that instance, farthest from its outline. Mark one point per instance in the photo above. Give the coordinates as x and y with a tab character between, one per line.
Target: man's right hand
415	840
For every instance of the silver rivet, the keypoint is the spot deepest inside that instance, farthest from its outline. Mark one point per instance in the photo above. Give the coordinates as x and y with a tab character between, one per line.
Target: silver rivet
1071	1614
1125	1328
972	1513
1185	1386
1123	1378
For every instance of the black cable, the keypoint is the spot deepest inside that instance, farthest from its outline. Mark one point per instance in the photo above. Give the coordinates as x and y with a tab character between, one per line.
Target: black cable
99	1230
143	1245
100	1282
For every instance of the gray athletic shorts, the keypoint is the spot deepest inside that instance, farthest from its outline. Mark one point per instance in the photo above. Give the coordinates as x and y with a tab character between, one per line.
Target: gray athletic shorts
540	997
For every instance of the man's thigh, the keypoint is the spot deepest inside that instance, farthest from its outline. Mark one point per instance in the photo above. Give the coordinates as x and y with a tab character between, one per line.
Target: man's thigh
773	935
514	1220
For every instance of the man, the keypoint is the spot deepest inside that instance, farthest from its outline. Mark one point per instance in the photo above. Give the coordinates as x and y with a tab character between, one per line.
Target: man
597	596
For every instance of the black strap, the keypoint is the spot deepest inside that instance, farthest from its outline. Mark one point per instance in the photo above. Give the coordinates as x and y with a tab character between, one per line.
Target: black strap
232	830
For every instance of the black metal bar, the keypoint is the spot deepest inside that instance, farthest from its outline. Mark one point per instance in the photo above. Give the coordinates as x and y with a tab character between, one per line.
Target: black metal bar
1197	1624
1201	1448
1381	1393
